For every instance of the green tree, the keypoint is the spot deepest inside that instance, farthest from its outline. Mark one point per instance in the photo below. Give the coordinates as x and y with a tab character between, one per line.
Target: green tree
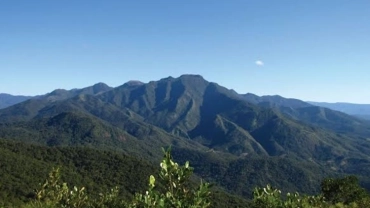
269	197
345	190
54	193
179	192
336	193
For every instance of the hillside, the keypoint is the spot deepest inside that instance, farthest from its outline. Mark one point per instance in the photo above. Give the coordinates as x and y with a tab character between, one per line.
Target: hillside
25	166
322	116
228	137
275	100
83	130
359	110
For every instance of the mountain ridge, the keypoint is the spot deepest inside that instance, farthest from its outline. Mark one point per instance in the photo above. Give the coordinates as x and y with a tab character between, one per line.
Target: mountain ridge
358	110
7	100
188	106
197	116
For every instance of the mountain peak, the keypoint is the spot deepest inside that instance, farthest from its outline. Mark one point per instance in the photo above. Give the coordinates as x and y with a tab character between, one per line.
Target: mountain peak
100	84
100	87
58	92
167	78
191	76
133	83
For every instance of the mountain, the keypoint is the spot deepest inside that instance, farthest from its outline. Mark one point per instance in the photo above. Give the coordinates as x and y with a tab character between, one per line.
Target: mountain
366	116
220	131
182	106
207	114
359	110
275	100
83	130
7	100
30	108
313	115
61	94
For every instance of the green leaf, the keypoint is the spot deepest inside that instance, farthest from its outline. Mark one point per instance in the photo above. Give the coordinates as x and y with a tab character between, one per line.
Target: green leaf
152	180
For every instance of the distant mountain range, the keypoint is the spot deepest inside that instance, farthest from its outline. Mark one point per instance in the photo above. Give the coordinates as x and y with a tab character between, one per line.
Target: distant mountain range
7	100
236	141
358	110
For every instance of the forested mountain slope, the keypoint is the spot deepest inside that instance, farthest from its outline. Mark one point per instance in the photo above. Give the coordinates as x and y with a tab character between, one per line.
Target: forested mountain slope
234	141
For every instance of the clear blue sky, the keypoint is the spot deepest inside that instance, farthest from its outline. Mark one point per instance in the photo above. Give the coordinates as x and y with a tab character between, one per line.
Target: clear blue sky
315	50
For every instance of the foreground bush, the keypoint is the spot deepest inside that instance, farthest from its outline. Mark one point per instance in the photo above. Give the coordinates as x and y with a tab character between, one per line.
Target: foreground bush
335	193
176	180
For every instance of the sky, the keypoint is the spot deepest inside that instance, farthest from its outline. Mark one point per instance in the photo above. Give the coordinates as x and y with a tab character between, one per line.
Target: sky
316	50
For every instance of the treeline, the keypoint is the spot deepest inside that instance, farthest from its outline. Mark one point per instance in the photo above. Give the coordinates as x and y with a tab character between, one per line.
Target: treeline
24	166
177	191
239	176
